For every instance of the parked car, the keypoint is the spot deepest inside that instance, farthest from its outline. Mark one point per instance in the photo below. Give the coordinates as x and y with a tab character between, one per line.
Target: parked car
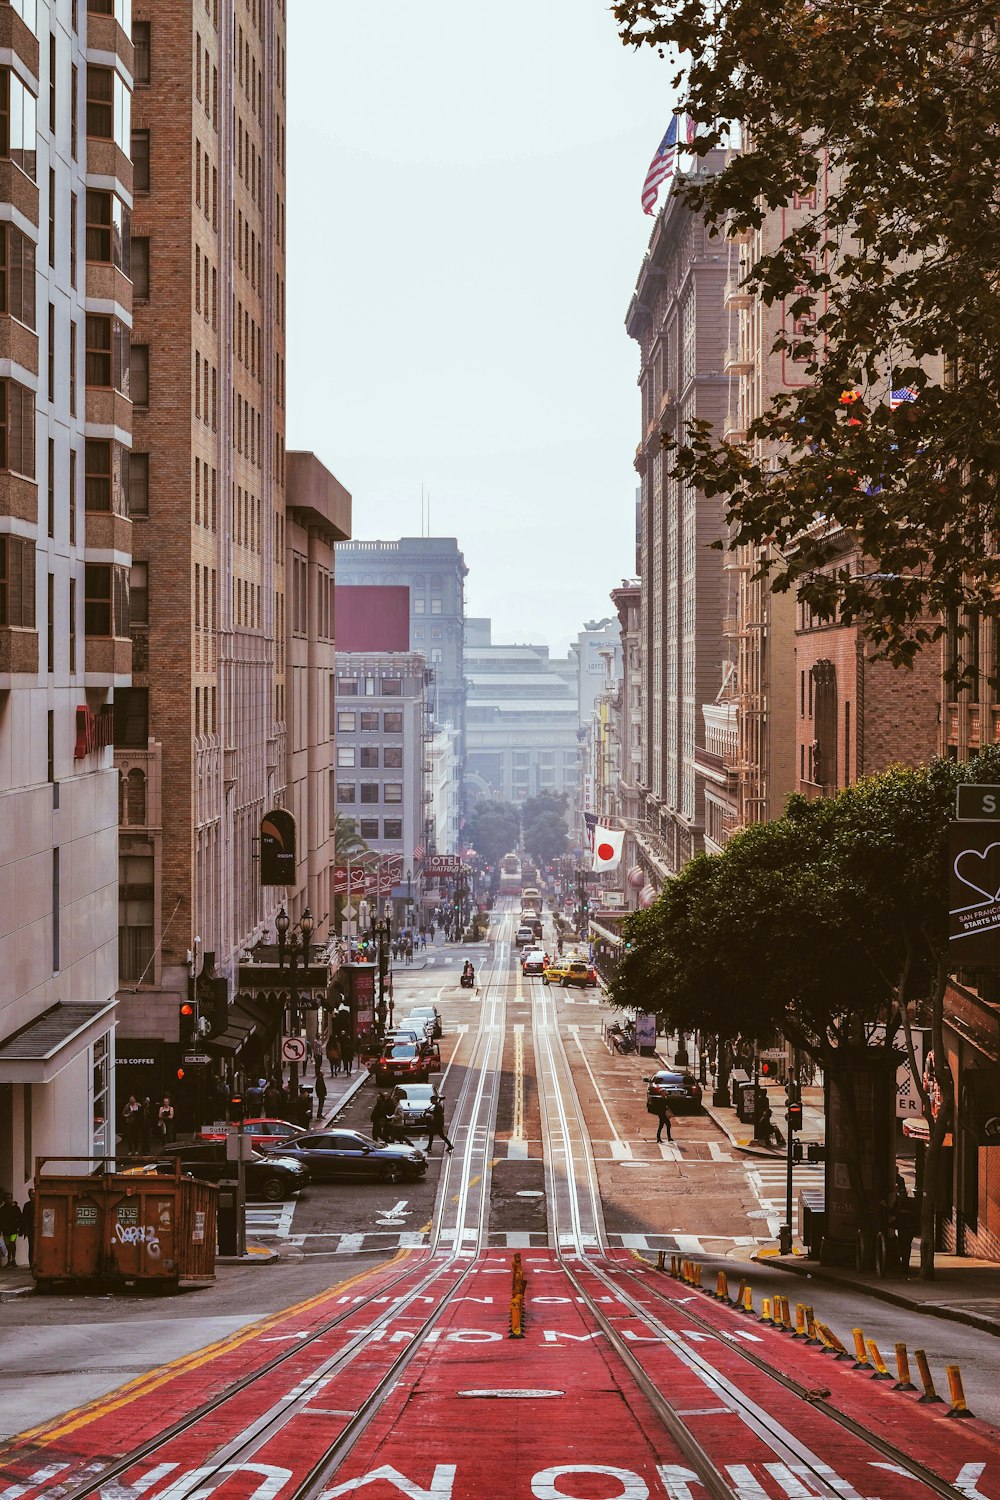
430	1015
403	1033
273	1175
679	1087
264	1130
414	1107
567	971
535	961
333	1154
402	1062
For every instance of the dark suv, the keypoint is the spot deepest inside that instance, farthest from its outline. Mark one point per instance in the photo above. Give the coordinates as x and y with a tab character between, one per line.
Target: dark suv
680	1089
269	1177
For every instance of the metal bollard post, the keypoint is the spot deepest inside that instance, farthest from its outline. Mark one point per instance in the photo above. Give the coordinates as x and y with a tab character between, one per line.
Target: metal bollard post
879	1371
860	1352
903	1381
930	1395
957	1390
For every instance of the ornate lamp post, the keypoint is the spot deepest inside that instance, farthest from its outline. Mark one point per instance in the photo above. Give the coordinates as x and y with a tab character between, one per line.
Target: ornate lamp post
297	950
381	930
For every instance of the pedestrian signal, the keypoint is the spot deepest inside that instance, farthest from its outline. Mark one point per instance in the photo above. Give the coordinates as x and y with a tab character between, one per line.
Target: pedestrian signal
794	1116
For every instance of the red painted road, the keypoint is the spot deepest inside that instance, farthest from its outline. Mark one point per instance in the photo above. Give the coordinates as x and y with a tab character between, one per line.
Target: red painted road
476	1415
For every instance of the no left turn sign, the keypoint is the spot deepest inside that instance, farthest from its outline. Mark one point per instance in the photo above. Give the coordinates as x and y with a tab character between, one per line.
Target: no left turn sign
293	1049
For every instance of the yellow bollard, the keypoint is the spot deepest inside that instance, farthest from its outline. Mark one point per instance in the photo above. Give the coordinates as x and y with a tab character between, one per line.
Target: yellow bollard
765	1311
903	1381
957	1390
860	1352
517	1317
786	1314
737	1301
697	1274
930	1395
660	1259
747	1306
721	1286
811	1335
778	1312
879	1371
801	1327
831	1343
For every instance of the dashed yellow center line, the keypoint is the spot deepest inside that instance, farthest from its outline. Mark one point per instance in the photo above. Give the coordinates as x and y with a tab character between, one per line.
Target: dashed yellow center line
518	1132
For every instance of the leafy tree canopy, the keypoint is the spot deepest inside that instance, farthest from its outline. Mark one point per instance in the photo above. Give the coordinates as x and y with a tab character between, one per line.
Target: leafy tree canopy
545	838
346	838
892	111
493	830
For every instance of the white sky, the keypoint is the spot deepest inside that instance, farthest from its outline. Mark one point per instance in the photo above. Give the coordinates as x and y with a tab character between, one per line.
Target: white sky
464	233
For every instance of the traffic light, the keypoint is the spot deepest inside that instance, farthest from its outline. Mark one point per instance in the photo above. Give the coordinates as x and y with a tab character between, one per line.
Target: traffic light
794	1115
188	1022
180	1075
765	1068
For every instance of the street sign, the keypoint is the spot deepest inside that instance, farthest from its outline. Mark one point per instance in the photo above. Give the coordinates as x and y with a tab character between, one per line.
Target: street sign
974	893
293	1049
191	1058
976	803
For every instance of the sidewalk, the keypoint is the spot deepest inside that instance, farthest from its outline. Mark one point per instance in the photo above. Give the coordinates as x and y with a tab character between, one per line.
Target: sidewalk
964	1290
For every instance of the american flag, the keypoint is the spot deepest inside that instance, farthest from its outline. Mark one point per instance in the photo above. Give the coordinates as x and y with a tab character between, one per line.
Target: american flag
900	397
661	167
418	852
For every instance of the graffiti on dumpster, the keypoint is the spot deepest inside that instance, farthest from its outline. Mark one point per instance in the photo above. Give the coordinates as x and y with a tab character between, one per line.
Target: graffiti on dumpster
139	1234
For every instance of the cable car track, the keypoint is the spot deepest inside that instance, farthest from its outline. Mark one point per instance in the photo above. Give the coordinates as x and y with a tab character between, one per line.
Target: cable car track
580	1182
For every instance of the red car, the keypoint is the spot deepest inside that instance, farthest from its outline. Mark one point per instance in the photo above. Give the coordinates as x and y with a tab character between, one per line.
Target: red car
264	1130
402	1063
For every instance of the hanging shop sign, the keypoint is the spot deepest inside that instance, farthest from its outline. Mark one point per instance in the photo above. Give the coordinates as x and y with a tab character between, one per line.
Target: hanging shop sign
277	848
974	893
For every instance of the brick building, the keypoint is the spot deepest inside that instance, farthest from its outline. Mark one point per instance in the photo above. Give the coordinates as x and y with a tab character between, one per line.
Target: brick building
202	729
676	317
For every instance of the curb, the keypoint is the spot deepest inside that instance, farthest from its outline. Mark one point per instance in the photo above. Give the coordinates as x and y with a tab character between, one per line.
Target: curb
256	1255
14	1293
765	1153
814	1271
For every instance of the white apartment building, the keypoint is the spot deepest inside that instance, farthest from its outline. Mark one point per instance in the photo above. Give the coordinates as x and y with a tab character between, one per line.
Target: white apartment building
66	77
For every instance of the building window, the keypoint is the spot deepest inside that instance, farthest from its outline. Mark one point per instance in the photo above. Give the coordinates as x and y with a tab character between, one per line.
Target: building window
138	484
140	268
346	722
392	687
138	386
135	915
369	791
72	624
138	602
72	369
131	718
420	606
52	216
51	362
17	429
435	606
392	791
109	107
369	757
345	756
369	720
105	604
347	687
393	828
140	161
369	828
17	582
392	722
17	275
17	123
392	757
108	351
97	488
143	58
109	230
346	792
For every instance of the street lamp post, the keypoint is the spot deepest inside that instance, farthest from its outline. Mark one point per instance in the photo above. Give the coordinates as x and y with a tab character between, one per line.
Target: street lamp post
381	930
296	949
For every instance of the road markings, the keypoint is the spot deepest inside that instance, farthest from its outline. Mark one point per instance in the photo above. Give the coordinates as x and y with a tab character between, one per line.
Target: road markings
394	1215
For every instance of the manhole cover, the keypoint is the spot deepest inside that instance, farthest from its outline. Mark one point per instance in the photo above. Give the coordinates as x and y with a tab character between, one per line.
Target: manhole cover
761	1213
526	1393
530	1193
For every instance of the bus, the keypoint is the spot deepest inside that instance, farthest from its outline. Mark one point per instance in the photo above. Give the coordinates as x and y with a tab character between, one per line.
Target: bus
531	898
510	875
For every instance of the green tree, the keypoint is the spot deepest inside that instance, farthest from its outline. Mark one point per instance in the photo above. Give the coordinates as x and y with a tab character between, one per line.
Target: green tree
892	111
546	836
494	830
347	841
818	925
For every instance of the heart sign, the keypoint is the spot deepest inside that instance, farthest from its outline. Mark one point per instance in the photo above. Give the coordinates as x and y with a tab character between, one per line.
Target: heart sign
980	871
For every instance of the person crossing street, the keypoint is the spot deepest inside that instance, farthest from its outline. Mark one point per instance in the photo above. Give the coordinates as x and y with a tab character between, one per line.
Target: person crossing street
437	1125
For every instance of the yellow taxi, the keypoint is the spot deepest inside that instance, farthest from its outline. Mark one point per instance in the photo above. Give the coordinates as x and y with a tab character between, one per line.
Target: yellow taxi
567	971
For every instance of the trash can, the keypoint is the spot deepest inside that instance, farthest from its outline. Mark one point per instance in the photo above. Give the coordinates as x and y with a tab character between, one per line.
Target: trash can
745	1102
737	1079
227	1218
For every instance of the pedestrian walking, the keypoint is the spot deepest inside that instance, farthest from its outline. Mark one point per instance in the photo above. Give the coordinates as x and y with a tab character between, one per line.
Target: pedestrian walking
147	1125
255	1099
10	1228
409	950
437	1125
904	1219
131	1125
165	1120
320	1089
664	1117
347	1054
28	1225
317	1054
334	1055
274	1099
381	1110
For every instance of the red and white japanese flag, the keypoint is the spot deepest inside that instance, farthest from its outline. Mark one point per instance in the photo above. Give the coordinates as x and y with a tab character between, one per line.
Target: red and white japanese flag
607	847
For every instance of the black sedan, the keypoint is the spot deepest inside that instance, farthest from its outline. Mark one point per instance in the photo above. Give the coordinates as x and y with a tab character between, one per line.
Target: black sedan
335	1154
680	1089
273	1176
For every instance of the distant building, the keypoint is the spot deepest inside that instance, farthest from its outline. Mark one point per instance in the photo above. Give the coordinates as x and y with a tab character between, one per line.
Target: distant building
523	720
383	731
434	571
589	652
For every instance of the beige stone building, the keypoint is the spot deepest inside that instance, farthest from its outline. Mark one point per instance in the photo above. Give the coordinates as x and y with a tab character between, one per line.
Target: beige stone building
65	417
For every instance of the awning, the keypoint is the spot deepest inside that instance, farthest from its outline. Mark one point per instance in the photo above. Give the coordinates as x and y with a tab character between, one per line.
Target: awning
246	1019
39	1051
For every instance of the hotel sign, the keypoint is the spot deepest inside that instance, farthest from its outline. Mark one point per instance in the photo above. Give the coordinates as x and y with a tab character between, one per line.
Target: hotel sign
94	731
